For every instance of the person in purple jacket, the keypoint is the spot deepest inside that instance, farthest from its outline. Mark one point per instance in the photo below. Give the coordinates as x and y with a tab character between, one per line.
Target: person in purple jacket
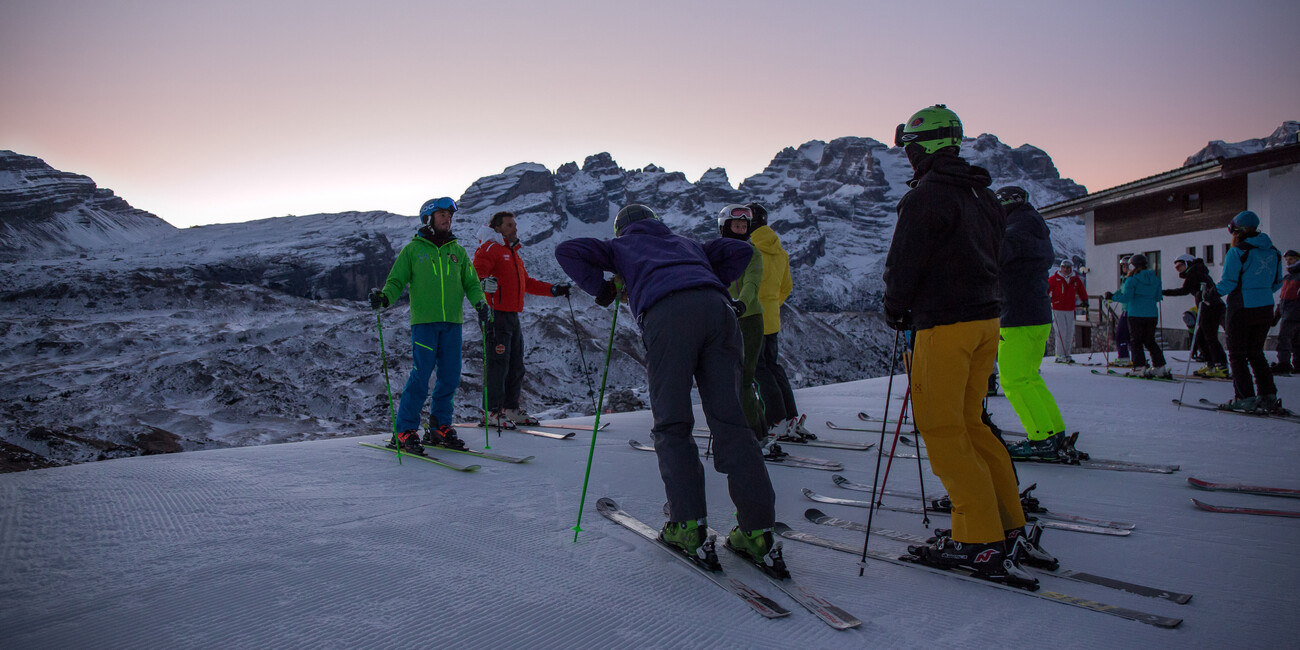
677	288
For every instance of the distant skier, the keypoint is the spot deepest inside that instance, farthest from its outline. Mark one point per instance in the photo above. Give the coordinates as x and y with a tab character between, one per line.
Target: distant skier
778	398
677	289
1067	293
1139	293
441	276
951	214
1025	258
505	281
1122	338
1252	273
1209	314
733	223
1287	315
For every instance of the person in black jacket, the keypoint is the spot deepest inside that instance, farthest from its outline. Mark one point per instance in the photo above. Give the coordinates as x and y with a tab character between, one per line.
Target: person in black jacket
1026	259
1209	309
951	214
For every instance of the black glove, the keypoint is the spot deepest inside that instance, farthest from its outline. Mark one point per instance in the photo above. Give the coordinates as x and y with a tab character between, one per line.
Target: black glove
898	321
1167	292
561	289
377	299
484	314
608	292
1107	295
738	306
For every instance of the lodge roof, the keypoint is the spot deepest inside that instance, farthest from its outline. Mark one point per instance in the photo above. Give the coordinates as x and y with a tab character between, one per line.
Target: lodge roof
1218	168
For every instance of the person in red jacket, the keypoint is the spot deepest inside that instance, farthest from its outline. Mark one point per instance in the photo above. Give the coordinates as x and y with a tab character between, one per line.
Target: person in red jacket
1068	292
505	281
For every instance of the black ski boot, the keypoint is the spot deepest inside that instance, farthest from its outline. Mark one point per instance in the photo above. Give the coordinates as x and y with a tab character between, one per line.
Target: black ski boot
1069	451
407	441
1025	549
1046	450
443	436
986	561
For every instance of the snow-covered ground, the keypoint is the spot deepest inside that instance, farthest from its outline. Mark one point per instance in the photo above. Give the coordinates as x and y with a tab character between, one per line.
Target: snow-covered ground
327	544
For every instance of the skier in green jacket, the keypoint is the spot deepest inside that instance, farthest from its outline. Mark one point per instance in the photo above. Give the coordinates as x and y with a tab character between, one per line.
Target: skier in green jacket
440	275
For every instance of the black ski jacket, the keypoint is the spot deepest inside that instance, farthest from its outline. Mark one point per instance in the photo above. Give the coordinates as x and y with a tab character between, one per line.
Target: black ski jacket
1193	277
942	266
1026	263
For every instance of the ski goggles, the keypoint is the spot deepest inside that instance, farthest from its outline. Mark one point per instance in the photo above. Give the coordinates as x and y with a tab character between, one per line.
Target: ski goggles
742	213
941	133
433	205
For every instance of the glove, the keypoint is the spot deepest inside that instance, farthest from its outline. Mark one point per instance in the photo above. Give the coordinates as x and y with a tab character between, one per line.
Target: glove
377	299
1107	295
489	284
898	321
561	289
1167	292
607	294
484	314
738	306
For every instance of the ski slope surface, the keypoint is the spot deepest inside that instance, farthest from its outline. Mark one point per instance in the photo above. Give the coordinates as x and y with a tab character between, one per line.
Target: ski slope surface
328	544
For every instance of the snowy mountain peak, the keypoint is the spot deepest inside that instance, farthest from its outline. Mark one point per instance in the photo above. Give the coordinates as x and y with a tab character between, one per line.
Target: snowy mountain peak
1288	133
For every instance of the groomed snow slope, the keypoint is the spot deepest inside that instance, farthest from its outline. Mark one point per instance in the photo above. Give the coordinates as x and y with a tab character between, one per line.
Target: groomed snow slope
327	544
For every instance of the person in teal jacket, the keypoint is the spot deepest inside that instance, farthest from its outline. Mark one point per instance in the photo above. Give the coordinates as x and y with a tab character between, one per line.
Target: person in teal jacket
441	276
1252	273
1140	293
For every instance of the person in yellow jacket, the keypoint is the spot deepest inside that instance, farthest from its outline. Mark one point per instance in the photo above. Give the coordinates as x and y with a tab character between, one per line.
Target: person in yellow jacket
441	276
778	399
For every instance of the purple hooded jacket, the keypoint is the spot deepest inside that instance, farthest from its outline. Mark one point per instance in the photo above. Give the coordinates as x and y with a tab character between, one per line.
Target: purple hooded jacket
653	262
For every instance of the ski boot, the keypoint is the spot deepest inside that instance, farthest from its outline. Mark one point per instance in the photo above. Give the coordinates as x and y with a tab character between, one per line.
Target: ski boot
1122	362
1025	549
773	451
1070	451
760	548
986	561
408	441
1028	502
1278	368
1218	372
1159	372
692	538
1045	450
498	420
1138	371
1247	404
443	436
799	430
1269	405
519	416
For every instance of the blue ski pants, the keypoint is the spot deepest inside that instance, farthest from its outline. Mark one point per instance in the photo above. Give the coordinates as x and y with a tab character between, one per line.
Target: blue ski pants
433	345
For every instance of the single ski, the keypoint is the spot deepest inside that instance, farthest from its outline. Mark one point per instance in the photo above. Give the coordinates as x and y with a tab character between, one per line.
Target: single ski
818	517
1245	511
575	427
1112	373
1206	404
787	460
820	607
828	444
1244	489
761	604
1055	525
1029	503
483	454
424	457
547	434
1122	612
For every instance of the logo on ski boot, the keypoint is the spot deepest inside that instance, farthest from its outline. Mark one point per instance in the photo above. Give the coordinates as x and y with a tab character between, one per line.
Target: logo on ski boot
985	556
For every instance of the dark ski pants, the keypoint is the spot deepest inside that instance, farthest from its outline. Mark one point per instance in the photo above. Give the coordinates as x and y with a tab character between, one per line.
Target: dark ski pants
689	335
505	361
751	336
1122	337
778	398
1207	336
1142	333
1288	340
1247	331
433	346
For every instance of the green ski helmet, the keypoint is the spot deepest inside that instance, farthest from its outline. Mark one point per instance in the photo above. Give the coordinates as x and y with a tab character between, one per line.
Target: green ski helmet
931	128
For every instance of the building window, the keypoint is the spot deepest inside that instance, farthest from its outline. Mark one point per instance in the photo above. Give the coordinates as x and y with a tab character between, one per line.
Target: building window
1192	202
1153	261
1209	255
1191	250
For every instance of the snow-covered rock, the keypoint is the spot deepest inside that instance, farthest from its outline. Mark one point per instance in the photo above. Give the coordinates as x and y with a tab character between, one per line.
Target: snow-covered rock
1288	133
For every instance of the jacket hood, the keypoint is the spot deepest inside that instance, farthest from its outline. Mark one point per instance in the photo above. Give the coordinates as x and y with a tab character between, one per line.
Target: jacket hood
766	241
487	234
426	233
1145	276
1195	265
952	169
1293	268
1260	241
652	227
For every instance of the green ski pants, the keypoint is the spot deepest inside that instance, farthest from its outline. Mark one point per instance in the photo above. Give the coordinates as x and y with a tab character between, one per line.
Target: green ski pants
1020	352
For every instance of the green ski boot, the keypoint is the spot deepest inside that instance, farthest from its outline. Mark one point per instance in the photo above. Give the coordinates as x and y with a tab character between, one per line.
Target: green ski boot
693	540
760	548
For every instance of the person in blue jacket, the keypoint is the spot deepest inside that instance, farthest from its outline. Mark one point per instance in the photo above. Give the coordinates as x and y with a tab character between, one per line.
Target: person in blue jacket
677	288
1140	292
1252	273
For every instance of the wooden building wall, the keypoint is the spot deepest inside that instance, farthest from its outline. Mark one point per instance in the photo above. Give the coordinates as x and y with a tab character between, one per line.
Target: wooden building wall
1156	215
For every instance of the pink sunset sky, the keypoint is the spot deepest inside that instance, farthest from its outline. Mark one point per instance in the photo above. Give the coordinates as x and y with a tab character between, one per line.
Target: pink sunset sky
235	110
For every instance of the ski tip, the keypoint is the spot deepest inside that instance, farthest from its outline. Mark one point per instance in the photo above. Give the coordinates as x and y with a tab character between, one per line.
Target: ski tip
606	504
780	527
813	514
839	480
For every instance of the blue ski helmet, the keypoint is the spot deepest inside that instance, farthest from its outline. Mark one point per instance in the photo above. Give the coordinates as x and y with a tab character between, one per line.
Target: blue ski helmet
433	205
1245	220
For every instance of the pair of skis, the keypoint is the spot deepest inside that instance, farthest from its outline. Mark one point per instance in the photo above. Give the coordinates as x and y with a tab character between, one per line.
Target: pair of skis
448	464
1206	405
822	608
788	460
1244	489
1112	373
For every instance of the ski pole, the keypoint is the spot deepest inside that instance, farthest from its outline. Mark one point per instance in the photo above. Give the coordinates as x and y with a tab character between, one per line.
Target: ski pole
1190	349
889	392
577	528
591	394
920	474
383	356
880	496
487	432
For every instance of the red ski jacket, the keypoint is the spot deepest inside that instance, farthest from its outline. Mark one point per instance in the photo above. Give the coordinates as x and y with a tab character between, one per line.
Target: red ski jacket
1064	291
501	261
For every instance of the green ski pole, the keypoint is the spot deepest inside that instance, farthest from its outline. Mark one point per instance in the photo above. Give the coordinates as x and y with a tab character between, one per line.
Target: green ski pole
577	528
383	356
